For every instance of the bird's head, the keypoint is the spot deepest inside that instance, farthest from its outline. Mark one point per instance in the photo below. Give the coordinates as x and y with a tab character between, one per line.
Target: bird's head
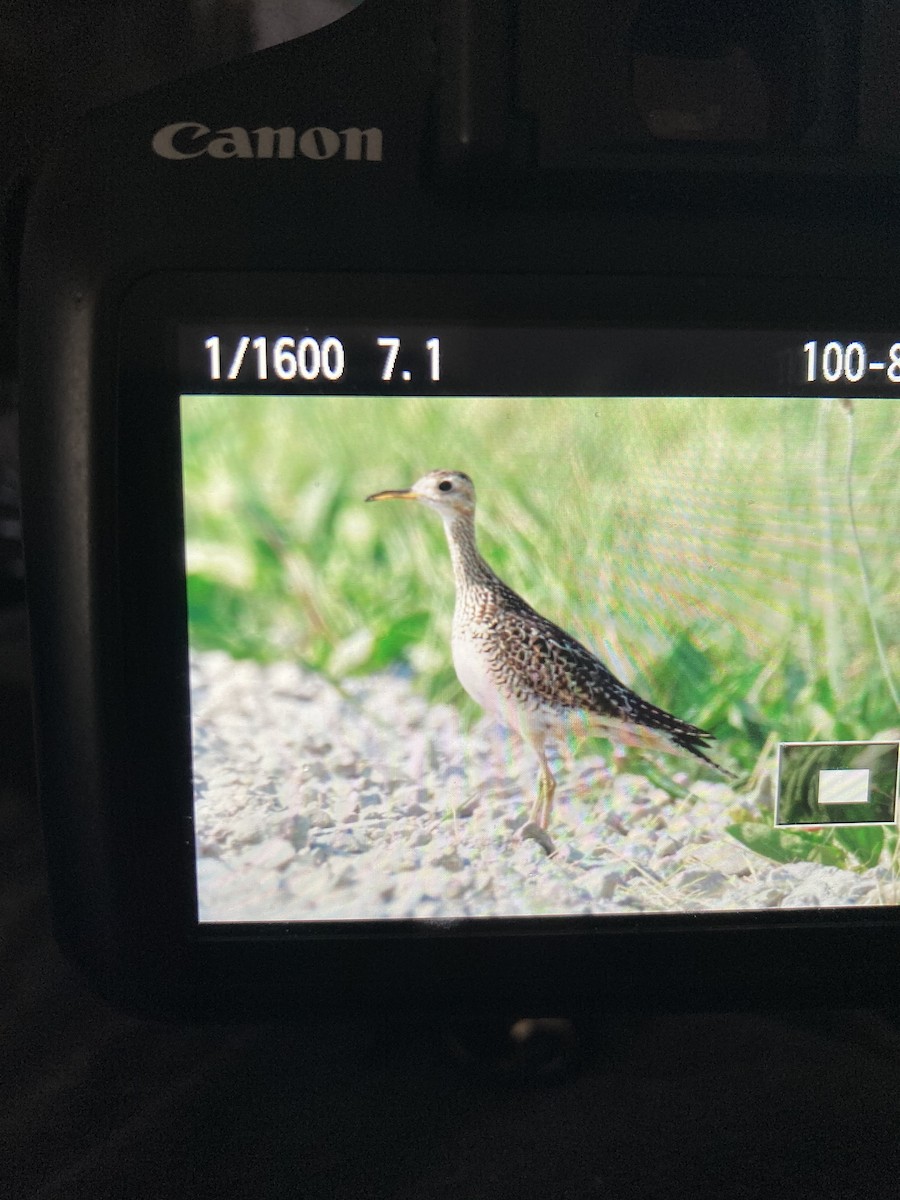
450	493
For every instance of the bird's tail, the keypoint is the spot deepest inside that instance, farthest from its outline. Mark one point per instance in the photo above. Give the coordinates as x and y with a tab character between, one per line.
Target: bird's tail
689	738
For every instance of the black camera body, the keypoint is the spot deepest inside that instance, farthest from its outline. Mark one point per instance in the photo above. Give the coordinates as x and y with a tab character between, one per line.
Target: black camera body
404	211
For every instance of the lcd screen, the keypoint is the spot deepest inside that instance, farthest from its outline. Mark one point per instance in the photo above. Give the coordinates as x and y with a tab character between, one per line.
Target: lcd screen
674	691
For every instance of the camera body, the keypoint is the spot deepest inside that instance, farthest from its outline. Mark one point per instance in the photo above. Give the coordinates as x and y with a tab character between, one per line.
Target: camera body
404	183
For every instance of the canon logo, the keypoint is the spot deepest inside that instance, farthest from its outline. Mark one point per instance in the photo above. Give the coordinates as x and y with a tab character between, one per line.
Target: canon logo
190	139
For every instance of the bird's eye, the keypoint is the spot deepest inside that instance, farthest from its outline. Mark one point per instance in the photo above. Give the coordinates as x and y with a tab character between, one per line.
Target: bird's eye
445	485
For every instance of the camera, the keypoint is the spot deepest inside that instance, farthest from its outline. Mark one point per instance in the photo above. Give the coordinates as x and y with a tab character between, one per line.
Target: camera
606	712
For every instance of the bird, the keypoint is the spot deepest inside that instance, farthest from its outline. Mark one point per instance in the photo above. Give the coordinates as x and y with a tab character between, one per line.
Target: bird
527	671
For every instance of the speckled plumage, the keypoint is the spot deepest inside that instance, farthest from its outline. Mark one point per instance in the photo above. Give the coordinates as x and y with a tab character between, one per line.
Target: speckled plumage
533	674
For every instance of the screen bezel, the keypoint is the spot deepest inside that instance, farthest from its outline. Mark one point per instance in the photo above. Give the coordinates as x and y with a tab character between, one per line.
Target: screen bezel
654	959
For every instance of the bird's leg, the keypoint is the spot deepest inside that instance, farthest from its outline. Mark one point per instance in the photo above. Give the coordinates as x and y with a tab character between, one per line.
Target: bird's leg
543	805
539	817
619	756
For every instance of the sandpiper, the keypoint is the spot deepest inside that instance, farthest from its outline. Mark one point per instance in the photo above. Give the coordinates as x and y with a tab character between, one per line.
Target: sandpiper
537	678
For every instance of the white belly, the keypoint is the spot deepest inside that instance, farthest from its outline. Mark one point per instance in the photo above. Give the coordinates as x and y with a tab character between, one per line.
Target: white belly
472	672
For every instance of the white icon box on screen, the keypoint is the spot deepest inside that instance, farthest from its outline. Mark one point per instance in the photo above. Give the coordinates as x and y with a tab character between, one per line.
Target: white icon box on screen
843	787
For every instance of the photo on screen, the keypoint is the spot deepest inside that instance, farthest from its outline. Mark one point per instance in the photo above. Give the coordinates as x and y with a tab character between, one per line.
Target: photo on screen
732	562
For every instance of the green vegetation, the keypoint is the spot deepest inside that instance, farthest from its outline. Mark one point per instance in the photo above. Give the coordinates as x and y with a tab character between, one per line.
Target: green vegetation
850	848
703	548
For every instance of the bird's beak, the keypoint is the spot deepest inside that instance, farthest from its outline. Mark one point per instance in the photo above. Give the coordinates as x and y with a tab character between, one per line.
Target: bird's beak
402	494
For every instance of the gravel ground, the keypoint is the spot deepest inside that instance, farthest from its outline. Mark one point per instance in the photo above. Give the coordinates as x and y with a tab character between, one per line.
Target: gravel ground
315	802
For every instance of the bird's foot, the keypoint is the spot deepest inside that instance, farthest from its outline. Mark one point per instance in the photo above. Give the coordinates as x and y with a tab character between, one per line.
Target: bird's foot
533	831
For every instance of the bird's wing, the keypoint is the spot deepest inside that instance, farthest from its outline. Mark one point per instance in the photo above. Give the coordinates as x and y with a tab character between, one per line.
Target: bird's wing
565	675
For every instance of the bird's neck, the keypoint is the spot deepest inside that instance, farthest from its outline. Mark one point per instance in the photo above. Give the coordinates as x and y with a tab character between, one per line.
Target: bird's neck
469	568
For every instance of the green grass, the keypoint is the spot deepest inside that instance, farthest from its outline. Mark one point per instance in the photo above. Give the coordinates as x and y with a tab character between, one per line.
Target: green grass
702	548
